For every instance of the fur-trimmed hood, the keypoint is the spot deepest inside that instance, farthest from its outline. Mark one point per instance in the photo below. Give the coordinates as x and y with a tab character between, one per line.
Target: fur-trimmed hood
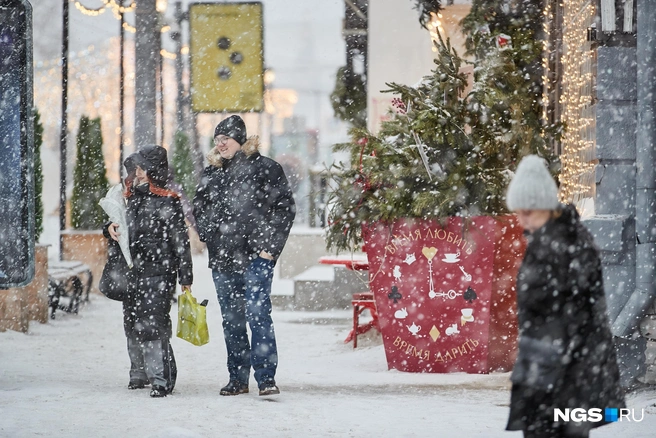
249	148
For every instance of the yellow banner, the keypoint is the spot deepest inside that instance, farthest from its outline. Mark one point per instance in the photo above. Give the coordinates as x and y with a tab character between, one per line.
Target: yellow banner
227	57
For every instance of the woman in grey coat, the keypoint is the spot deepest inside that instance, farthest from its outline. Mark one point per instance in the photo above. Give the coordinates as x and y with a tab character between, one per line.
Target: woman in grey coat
566	357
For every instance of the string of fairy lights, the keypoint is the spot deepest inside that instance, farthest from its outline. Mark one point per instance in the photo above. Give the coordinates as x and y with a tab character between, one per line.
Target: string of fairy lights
93	90
434	26
118	9
546	52
576	99
95	94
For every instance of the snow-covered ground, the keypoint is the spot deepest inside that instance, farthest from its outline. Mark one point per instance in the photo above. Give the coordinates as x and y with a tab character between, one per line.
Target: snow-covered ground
68	378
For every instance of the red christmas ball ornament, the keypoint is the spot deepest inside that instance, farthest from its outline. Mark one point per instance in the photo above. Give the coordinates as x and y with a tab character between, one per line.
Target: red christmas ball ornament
503	41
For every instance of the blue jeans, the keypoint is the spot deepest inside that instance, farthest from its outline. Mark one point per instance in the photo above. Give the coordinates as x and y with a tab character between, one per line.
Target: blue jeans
246	297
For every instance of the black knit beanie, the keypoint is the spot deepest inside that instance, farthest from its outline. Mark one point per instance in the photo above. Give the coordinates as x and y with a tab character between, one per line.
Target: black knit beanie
232	127
154	160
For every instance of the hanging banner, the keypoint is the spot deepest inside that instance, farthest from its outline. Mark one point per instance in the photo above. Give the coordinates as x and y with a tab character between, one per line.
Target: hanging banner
17	218
227	57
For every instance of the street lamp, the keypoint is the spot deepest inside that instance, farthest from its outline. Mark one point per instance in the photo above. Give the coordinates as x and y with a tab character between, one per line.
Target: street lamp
268	78
121	86
63	129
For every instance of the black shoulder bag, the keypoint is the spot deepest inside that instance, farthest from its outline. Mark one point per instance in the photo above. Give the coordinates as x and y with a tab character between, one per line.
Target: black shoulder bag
116	275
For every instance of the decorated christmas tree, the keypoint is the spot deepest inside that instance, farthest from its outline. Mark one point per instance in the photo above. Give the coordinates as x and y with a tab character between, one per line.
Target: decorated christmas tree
441	153
505	39
89	177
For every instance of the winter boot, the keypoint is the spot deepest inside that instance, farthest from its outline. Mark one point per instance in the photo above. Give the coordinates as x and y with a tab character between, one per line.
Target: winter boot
234	387
158	391
269	388
136	384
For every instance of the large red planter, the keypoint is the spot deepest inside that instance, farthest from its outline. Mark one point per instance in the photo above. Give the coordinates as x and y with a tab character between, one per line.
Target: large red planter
445	292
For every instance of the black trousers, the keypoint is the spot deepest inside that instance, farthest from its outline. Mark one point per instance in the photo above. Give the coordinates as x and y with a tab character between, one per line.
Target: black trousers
553	431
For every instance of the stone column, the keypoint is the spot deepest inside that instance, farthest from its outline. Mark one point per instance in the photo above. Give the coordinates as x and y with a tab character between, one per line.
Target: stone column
614	225
13	310
37	290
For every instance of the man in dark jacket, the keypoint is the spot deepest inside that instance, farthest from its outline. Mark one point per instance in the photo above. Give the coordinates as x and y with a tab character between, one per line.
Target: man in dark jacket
244	211
566	357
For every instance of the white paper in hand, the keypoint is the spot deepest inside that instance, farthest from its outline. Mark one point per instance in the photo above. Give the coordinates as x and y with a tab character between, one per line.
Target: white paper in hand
114	205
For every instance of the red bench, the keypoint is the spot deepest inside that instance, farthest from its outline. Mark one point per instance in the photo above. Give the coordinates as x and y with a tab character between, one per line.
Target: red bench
360	301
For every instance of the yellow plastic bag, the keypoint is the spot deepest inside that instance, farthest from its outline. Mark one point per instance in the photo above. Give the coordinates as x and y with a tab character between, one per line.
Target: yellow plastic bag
192	320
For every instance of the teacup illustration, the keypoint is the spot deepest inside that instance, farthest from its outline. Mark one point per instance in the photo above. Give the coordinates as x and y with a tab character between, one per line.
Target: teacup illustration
467	314
451	257
414	329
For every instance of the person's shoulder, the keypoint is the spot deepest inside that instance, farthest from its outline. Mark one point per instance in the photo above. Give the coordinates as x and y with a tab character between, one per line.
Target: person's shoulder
269	162
210	169
571	235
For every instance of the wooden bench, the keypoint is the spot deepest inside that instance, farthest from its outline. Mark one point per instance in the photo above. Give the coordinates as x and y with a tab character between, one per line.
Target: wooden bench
68	279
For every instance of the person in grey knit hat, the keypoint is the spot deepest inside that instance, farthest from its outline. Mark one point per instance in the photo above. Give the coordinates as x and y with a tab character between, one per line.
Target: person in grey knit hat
564	329
532	193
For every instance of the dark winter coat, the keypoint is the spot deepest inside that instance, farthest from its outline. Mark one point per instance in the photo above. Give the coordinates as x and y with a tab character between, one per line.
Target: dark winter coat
566	356
159	246
243	206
